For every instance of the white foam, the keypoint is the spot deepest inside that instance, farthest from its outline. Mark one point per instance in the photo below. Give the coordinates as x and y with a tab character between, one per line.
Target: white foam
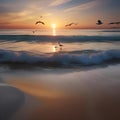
60	58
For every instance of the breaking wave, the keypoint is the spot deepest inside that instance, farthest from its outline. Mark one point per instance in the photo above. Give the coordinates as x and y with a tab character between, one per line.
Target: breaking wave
81	58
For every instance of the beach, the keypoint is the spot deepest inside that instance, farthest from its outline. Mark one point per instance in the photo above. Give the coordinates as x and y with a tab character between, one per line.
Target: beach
79	80
68	94
59	60
10	100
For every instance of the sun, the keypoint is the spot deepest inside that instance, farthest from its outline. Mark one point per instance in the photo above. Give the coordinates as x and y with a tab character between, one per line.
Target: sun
53	25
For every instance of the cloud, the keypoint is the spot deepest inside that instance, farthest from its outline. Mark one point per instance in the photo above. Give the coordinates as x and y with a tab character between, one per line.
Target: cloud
82	6
59	2
15	6
9	8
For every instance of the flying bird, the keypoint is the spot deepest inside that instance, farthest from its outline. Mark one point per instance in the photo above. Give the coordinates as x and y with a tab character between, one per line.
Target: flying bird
39	22
117	22
112	23
34	31
60	44
70	24
41	16
55	46
99	22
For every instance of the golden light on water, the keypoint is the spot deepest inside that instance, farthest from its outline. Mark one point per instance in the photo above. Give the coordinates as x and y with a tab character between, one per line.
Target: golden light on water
54	49
54	29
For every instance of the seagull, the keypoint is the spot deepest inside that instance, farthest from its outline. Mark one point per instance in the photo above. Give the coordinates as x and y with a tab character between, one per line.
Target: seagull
99	22
60	44
39	22
114	23
70	24
55	46
111	23
41	16
117	22
34	31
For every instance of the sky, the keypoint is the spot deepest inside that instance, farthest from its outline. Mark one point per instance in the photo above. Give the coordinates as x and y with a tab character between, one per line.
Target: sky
24	13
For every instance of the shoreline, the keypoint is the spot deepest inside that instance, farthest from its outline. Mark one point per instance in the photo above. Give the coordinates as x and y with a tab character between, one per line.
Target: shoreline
86	95
11	99
14	102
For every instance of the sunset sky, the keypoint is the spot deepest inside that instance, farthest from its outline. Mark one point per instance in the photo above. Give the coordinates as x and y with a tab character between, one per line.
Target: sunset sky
24	13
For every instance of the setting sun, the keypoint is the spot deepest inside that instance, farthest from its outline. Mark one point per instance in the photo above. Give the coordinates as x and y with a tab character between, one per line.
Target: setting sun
53	25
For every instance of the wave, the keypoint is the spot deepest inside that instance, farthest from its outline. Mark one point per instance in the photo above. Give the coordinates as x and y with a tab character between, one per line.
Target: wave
83	58
67	39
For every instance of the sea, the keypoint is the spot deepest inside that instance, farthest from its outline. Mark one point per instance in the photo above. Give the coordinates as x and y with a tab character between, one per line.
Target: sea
59	74
64	48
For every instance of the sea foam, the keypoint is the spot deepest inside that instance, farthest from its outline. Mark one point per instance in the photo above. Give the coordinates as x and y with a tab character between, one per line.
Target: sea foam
60	58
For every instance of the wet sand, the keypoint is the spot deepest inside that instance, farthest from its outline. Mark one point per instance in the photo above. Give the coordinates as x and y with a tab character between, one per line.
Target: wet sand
75	95
10	101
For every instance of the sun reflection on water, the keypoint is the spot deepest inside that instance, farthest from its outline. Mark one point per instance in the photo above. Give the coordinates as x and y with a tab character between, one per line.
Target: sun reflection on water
54	29
54	48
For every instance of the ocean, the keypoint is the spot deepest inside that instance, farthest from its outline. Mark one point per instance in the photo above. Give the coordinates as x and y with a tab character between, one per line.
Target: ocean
78	47
62	74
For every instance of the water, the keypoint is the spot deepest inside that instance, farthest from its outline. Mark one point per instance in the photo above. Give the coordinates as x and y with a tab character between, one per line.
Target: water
79	47
79	80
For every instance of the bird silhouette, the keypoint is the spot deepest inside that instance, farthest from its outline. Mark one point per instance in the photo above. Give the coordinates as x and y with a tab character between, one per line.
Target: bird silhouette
70	24
55	46
41	16
117	22
34	31
39	22
99	22
112	23
60	44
